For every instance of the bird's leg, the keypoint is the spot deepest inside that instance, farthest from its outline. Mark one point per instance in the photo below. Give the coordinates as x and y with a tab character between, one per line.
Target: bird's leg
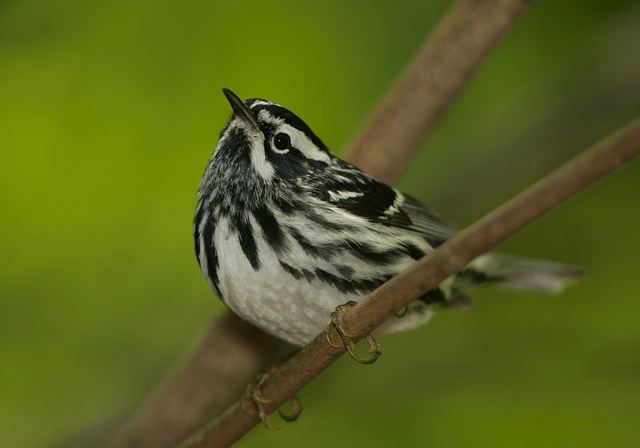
338	326
253	395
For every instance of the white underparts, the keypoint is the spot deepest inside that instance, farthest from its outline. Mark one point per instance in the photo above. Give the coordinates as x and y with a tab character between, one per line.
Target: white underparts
297	309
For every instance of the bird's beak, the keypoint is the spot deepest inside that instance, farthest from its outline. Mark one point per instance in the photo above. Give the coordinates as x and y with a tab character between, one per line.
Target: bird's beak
241	110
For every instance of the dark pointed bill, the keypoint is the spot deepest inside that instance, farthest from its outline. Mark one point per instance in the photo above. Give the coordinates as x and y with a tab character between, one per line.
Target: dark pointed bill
240	109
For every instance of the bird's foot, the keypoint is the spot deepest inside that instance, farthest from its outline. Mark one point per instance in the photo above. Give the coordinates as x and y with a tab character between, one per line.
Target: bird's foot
253	396
338	327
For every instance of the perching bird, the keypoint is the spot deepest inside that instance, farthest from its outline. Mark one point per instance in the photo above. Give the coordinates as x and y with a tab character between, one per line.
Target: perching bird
285	232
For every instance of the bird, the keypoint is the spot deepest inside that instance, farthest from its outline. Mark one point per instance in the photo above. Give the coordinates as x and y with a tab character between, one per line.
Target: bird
286	233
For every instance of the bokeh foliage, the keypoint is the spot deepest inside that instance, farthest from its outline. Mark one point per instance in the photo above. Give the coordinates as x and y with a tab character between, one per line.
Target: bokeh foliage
108	113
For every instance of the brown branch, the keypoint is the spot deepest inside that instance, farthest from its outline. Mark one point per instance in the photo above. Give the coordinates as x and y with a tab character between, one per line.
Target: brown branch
234	350
229	355
426	274
424	91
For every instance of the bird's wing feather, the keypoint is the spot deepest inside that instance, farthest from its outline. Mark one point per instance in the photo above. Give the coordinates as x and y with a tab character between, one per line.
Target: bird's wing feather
368	198
427	221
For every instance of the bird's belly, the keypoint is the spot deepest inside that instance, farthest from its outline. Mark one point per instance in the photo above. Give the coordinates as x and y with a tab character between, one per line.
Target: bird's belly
290	309
295	310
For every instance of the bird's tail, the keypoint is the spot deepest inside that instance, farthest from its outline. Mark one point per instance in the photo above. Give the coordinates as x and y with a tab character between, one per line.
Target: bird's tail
539	276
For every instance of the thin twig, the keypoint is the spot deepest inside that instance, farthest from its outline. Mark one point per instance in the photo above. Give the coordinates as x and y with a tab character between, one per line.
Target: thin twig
411	109
426	274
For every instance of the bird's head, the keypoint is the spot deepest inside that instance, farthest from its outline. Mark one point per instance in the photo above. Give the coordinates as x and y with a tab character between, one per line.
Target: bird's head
267	143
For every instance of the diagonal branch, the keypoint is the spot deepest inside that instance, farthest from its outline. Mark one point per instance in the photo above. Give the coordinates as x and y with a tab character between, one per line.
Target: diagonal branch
228	357
426	274
404	118
233	350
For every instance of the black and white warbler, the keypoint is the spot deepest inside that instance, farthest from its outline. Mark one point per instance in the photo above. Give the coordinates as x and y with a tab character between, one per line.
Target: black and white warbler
285	232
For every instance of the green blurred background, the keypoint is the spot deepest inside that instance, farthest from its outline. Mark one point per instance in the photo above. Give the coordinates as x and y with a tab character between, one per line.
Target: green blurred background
108	114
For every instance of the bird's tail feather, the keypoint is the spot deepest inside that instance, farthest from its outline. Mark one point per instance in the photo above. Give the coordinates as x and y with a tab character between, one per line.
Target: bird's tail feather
540	276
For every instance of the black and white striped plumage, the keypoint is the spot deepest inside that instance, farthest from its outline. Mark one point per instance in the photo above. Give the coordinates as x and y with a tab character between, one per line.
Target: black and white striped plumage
284	231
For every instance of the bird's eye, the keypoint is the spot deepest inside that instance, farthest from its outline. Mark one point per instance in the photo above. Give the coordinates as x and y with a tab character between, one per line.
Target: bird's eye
282	141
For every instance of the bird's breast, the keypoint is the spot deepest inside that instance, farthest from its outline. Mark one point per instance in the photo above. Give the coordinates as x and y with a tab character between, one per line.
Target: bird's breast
264	293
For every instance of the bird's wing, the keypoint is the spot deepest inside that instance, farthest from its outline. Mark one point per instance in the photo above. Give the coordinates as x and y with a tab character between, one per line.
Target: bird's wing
361	195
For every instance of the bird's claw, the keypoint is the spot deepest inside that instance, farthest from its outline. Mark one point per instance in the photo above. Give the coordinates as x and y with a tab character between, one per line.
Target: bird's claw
253	396
295	413
347	342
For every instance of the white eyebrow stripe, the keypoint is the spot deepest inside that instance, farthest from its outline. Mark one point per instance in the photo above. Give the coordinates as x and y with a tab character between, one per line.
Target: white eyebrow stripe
302	143
265	115
258	103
